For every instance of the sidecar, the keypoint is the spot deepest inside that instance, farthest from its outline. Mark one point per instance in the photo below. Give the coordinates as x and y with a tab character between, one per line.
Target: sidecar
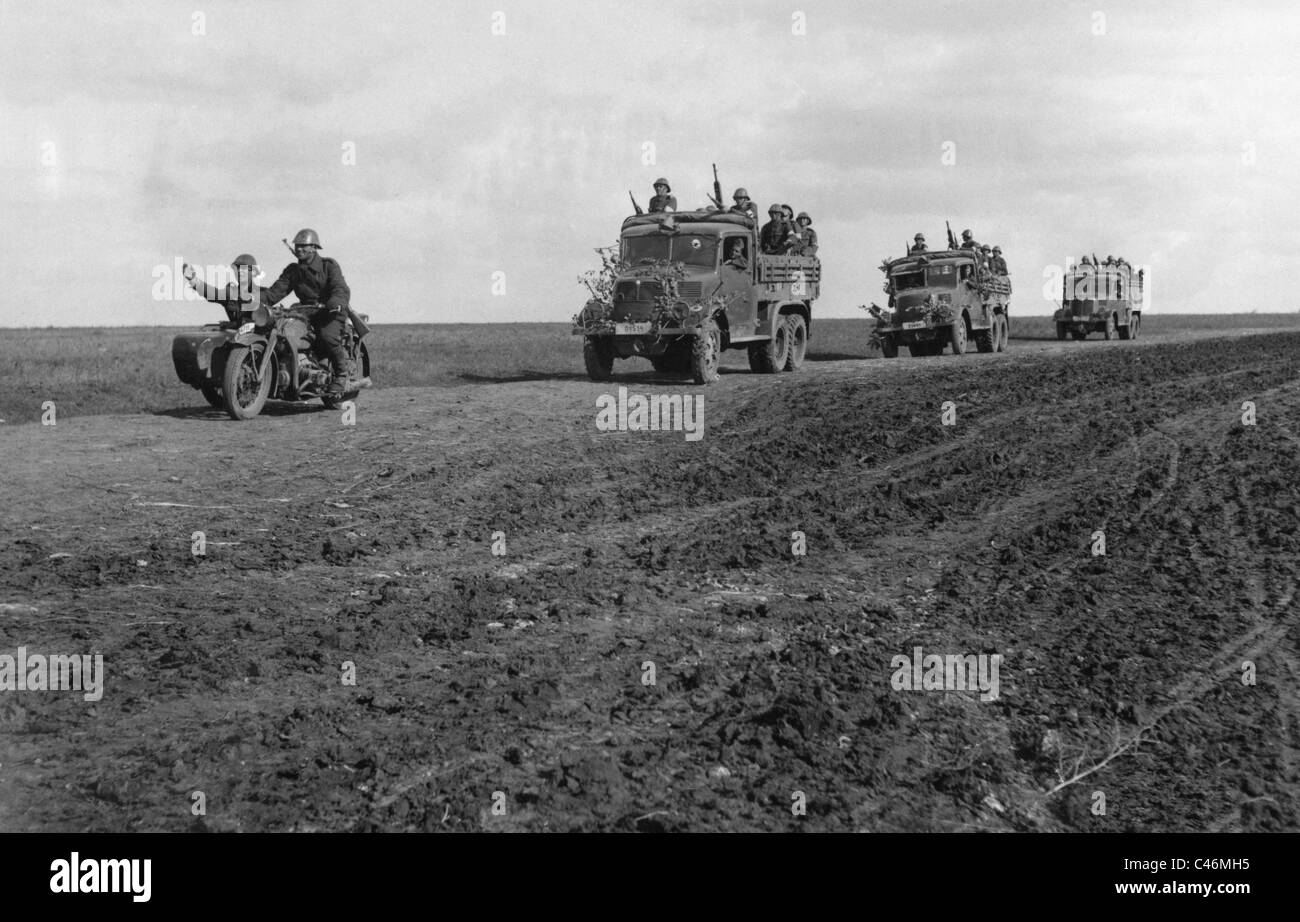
200	358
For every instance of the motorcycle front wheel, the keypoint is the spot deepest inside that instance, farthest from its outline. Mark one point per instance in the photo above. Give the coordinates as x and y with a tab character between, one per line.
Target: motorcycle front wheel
244	394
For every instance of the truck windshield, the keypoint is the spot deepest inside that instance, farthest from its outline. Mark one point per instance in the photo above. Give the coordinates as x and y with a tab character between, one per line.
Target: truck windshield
692	249
931	276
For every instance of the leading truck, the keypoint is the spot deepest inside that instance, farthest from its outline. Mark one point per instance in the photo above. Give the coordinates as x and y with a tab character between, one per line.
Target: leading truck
692	284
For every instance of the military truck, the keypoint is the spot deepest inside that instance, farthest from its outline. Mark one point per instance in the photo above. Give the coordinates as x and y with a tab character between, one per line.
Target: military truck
1105	299
940	299
680	299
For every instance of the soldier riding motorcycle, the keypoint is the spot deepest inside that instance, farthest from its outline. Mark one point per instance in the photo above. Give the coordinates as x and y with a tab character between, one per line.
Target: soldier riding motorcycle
262	352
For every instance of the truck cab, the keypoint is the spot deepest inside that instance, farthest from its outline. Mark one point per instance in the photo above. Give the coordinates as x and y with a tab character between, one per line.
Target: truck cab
692	284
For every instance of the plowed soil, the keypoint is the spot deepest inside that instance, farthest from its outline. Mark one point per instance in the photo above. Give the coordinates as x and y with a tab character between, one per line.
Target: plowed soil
1125	674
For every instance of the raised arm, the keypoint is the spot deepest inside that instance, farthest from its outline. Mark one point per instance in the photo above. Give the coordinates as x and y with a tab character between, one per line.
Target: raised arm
206	291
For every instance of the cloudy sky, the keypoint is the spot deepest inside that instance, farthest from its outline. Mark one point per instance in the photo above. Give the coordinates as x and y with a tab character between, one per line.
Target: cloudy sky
431	152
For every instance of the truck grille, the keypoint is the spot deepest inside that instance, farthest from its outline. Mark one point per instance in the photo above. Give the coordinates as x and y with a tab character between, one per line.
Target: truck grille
632	311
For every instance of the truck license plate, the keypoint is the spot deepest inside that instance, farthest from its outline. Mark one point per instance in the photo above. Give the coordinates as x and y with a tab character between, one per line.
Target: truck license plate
914	325
631	329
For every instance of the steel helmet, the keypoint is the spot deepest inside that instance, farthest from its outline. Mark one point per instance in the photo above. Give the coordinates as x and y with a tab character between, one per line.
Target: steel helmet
663	182
966	233
997	249
244	259
919	237
307	237
802	215
741	193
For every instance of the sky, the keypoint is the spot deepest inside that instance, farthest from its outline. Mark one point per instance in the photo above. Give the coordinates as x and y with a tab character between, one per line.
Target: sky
461	160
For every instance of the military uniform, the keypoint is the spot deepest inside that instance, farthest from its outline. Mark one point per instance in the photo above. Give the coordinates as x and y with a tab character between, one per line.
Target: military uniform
918	247
999	265
663	203
807	235
318	281
776	237
749	208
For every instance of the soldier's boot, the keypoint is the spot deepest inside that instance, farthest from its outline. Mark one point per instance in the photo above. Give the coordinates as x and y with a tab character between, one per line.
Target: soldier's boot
342	372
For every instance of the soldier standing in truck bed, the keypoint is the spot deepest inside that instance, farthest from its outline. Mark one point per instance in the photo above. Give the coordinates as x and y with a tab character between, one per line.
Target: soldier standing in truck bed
744	205
918	245
968	242
807	235
998	264
663	199
776	235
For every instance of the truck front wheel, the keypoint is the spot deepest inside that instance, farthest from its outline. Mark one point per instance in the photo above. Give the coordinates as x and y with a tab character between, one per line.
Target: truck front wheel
770	357
1062	330
598	356
889	346
705	352
798	335
1112	327
957	336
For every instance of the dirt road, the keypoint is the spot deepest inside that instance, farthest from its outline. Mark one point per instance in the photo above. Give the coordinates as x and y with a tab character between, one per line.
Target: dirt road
513	691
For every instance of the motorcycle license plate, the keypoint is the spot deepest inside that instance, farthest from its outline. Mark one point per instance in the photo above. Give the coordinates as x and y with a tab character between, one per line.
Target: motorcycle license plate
915	325
631	329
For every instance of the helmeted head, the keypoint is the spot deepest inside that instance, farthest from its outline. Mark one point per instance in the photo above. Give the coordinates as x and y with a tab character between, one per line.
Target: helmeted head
1109	259
997	251
662	182
985	249
919	238
305	244
246	269
789	213
966	234
804	218
741	195
774	212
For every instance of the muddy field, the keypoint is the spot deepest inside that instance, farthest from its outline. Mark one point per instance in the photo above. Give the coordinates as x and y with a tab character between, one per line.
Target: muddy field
631	554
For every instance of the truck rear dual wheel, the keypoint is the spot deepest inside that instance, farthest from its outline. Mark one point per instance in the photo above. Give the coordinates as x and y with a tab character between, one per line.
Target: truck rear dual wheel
1112	328
1003	333
1130	329
598	356
987	340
